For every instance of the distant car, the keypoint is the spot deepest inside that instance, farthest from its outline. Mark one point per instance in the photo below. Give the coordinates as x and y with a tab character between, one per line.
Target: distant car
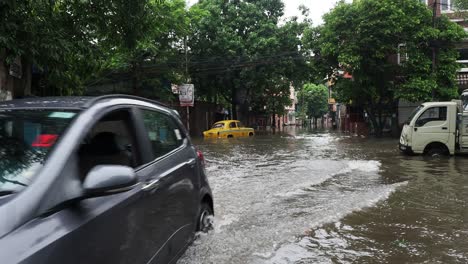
229	129
112	179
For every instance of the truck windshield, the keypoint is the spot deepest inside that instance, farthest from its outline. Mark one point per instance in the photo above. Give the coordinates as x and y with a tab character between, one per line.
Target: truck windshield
415	111
464	98
26	137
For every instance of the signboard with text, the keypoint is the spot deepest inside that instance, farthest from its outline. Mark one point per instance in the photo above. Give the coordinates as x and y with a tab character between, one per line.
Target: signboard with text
186	94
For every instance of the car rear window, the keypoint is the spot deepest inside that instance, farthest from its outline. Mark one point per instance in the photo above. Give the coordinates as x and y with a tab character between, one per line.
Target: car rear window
26	137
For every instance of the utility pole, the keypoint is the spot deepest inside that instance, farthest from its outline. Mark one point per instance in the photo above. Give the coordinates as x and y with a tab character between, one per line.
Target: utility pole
434	51
187	80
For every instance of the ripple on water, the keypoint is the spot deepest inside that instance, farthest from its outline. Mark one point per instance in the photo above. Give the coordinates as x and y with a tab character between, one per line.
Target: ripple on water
267	195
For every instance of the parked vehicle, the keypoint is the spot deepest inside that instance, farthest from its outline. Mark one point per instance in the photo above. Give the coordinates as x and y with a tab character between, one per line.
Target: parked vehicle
229	129
436	128
112	179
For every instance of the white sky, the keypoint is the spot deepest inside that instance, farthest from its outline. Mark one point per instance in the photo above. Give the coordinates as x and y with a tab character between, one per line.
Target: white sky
316	8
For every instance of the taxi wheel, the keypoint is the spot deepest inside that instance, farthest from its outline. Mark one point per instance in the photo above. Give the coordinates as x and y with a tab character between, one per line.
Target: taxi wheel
230	136
251	134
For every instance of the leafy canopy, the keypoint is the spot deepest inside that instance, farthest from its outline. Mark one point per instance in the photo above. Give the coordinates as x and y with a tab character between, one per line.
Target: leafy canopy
364	37
313	99
240	53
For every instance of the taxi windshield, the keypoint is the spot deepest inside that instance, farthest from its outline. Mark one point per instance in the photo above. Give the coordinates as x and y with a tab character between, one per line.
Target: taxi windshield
26	137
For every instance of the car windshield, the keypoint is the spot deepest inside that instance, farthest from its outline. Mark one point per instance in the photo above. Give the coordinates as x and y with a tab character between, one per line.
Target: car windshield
218	125
26	137
415	111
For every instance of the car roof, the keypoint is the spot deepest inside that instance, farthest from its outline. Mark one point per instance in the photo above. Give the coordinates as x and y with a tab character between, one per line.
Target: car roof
66	102
227	121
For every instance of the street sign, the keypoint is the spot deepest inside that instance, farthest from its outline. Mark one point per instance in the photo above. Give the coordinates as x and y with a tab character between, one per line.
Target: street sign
186	94
175	88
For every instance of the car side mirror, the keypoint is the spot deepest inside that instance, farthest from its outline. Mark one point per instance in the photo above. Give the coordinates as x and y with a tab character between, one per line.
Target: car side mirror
109	179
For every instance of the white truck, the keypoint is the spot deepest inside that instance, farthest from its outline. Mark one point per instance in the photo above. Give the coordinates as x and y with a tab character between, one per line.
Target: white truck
437	128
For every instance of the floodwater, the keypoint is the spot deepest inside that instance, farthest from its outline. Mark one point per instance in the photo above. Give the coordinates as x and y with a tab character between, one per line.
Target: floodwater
320	197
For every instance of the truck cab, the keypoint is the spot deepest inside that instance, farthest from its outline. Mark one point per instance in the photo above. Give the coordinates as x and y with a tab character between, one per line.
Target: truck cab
432	129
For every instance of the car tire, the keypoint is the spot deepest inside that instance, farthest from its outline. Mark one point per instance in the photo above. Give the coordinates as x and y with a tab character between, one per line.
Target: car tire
205	218
230	136
251	134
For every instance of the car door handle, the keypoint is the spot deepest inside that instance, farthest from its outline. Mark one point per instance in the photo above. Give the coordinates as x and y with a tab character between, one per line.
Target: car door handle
415	129
151	185
444	128
191	162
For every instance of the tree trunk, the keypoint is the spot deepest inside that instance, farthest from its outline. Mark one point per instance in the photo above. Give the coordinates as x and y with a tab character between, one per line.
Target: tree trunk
242	107
242	111
135	79
375	123
6	81
22	87
395	124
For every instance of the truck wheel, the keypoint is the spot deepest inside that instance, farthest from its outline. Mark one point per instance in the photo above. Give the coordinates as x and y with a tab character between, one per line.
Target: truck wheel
436	152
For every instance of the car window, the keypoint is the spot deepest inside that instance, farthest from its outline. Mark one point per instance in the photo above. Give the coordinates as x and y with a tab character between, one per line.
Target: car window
232	125
26	137
432	114
163	133
239	124
218	125
111	141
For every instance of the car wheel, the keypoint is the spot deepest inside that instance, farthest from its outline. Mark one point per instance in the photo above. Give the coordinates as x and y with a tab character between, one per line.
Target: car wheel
205	218
251	134
230	136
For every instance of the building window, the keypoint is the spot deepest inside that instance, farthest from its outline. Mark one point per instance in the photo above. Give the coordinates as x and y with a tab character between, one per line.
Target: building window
402	54
446	5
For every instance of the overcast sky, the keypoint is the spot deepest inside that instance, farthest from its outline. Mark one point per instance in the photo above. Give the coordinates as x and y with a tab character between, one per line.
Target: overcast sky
317	8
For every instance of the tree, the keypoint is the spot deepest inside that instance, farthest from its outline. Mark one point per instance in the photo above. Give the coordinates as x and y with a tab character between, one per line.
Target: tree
49	35
241	54
78	43
313	100
142	42
460	5
363	38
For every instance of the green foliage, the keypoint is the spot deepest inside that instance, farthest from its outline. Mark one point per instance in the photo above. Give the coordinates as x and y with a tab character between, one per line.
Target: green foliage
313	100
141	41
80	43
460	5
363	38
44	33
241	53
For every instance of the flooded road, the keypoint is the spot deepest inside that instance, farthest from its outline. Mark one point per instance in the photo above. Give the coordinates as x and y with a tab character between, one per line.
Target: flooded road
305	197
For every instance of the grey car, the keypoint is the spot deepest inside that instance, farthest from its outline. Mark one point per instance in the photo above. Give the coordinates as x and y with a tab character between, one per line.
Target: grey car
111	179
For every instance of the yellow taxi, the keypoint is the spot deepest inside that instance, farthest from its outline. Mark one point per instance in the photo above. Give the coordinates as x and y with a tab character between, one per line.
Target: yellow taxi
228	129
